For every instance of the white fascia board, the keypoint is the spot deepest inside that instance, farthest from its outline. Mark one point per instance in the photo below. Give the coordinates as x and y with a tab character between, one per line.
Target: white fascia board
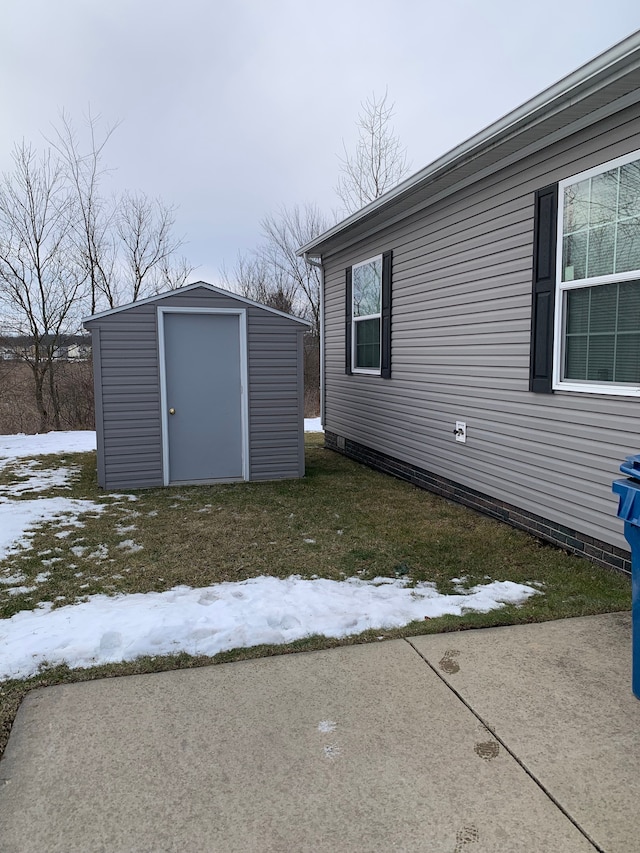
598	71
196	284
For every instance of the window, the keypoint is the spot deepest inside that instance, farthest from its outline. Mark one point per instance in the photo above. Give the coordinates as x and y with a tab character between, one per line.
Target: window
597	305
367	315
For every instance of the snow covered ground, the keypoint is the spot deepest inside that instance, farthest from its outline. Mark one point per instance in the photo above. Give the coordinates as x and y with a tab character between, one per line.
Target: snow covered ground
202	621
19	519
20	446
226	616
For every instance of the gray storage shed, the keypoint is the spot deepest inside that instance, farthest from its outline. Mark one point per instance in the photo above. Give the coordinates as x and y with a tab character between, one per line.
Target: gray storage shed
197	385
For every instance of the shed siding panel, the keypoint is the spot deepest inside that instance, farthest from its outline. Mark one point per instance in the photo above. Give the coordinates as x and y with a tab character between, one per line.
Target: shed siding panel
276	430
131	399
460	350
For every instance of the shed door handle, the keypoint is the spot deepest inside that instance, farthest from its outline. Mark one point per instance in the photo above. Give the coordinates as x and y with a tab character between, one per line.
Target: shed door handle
172	411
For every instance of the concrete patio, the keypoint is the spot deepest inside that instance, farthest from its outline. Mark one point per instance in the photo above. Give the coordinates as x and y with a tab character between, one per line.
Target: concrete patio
524	738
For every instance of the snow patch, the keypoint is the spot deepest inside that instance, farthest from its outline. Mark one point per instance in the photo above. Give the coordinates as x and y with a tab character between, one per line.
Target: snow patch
226	616
20	590
38	479
129	546
20	519
19	578
21	446
101	553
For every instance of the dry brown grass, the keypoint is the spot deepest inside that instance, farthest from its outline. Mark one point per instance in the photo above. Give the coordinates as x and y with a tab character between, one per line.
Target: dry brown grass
18	411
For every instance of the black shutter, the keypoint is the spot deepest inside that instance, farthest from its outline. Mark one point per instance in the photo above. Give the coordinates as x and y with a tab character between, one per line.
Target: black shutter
544	288
347	326
385	356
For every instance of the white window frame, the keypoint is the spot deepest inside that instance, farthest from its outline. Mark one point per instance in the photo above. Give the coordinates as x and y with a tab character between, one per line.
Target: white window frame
585	386
372	371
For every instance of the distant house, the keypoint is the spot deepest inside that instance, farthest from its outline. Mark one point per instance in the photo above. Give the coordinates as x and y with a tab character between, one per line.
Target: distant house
63	347
481	321
79	351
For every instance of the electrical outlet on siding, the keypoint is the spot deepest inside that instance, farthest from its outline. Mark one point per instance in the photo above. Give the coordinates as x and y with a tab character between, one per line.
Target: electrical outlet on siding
460	431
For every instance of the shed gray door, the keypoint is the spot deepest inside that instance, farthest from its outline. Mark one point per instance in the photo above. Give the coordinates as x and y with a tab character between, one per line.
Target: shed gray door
204	390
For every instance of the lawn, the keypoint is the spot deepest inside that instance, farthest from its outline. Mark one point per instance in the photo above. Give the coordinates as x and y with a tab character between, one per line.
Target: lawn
341	521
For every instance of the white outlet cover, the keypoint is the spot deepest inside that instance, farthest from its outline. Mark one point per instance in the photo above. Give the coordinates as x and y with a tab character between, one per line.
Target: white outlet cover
461	432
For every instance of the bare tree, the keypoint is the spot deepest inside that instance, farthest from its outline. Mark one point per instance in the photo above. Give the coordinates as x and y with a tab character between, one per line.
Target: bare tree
284	233
173	273
126	244
379	161
66	250
257	278
95	225
144	227
273	273
41	281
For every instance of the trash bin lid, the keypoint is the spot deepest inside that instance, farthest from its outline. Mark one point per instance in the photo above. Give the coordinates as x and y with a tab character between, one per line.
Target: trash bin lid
631	466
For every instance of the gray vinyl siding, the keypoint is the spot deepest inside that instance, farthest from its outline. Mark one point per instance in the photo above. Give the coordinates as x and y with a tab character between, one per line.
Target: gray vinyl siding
127	390
462	271
97	371
276	398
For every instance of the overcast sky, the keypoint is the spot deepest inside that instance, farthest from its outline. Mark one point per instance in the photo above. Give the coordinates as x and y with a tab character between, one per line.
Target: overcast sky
231	108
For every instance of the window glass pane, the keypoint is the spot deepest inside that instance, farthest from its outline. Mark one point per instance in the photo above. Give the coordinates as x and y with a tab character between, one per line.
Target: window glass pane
601	224
628	245
601	237
367	281
629	202
602	339
367	347
600	358
628	358
574	257
604	302
629	306
600	251
603	206
576	207
578	310
576	357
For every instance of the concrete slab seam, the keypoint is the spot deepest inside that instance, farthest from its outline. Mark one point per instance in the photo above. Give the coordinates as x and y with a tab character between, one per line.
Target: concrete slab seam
507	749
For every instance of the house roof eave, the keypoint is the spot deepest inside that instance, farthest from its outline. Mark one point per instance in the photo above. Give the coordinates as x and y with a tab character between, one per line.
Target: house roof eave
589	78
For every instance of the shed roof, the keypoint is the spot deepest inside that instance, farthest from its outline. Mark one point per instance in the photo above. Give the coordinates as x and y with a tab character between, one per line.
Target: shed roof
180	290
605	85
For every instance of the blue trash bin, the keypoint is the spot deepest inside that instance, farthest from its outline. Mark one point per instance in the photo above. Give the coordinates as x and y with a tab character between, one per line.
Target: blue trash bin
629	512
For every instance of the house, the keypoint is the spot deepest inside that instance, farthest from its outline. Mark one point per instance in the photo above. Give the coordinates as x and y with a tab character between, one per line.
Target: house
197	385
481	321
79	350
